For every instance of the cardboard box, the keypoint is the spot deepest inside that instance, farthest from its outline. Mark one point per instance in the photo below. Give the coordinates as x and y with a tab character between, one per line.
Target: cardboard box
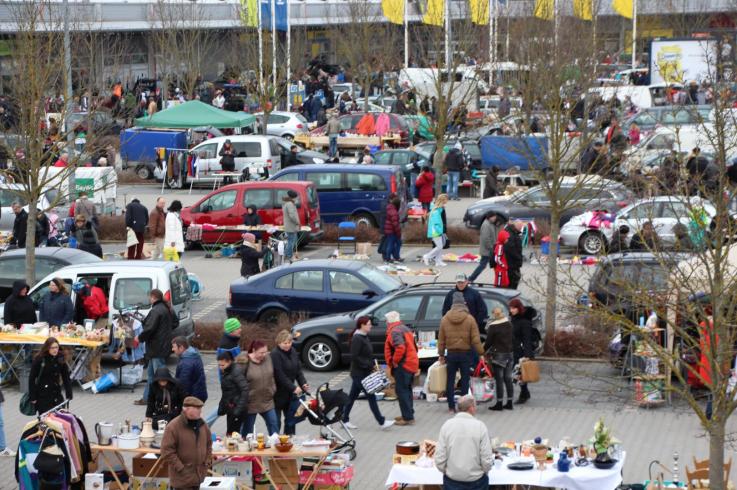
241	470
218	483
142	466
284	471
363	248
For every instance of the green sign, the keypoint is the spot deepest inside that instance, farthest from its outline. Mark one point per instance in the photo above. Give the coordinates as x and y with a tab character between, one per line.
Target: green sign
87	185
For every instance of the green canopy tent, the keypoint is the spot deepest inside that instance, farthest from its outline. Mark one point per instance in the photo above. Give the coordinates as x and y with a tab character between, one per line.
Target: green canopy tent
194	114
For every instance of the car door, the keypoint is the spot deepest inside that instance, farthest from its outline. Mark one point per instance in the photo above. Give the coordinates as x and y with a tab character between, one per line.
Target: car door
130	290
636	216
303	292
331	193
346	290
365	191
248	154
12	268
408	306
670	213
219	209
276	124
383	158
207	158
263	201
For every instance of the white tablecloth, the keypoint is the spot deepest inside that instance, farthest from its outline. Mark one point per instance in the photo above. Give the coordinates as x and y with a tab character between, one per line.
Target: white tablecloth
578	478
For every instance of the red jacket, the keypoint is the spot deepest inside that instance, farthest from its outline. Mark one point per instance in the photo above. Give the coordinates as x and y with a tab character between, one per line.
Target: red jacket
391	221
501	268
424	184
400	349
95	304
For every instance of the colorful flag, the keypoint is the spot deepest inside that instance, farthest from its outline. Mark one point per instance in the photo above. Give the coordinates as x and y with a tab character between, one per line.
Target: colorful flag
434	13
544	9
280	12
623	8
249	13
583	9
393	11
479	11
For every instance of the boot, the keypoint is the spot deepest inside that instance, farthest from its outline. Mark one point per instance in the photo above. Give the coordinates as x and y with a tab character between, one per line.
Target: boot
524	395
508	405
498	407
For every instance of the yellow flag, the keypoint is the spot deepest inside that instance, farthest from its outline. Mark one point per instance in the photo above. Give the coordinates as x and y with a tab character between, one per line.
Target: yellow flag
249	13
434	14
623	8
479	11
544	9
393	10
583	9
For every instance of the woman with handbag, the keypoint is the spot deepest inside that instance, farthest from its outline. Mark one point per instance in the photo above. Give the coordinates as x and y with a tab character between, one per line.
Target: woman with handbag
361	366
290	381
49	373
498	347
523	339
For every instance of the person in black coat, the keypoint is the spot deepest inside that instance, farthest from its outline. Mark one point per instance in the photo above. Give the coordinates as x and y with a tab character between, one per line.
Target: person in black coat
620	241
157	333
49	373
227	157
513	253
19	308
234	402
524	339
136	218
474	301
250	256
498	347
90	243
165	398
362	365
19	226
56	307
290	381
251	218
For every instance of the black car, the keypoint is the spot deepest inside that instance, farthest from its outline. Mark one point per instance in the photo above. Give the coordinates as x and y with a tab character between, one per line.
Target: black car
534	204
323	342
48	259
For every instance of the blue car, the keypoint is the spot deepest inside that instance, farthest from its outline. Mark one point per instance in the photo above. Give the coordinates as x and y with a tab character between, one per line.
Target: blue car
351	192
313	288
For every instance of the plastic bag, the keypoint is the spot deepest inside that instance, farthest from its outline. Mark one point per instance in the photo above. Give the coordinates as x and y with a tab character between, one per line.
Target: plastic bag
131	374
483	387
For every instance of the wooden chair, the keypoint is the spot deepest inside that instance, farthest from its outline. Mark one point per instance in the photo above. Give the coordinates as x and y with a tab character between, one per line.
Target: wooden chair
701	473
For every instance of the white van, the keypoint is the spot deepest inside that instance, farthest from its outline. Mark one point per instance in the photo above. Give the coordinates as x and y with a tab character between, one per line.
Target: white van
127	285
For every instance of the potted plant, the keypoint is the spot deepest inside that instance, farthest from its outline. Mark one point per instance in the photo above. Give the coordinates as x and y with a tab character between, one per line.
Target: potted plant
601	442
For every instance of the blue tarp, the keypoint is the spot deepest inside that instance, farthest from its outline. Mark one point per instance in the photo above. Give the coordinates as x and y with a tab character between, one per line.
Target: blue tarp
525	152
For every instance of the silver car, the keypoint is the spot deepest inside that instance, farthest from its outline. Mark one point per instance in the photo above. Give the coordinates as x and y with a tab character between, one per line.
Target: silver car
284	124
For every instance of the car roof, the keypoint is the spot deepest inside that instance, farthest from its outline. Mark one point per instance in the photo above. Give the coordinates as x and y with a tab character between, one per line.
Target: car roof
124	265
302	265
267	184
448	286
71	255
644	257
322	167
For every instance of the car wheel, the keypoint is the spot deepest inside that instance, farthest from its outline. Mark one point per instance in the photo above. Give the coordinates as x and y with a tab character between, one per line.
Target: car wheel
143	172
364	219
320	354
272	315
288	137
591	243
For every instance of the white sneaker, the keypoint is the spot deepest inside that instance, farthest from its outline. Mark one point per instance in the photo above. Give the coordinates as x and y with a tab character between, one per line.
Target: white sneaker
7	453
425	261
350	426
441	264
387	423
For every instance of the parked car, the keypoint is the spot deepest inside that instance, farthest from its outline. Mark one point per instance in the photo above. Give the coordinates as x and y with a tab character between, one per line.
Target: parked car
427	150
351	191
314	288
284	124
584	193
652	117
227	205
304	156
48	259
406	160
348	122
682	140
663	211
489	104
323	342
127	285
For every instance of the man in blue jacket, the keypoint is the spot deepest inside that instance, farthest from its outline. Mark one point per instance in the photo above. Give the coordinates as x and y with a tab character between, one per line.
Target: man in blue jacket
190	371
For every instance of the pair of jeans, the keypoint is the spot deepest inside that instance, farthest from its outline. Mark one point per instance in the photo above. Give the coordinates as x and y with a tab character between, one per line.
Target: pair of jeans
356	389
290	420
3	444
392	247
211	417
483	264
502	365
453	179
153	364
436	253
480	484
403	380
455	361
333	150
269	416
291	245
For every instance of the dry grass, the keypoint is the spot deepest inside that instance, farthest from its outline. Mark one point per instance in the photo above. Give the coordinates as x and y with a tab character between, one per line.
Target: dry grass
112	228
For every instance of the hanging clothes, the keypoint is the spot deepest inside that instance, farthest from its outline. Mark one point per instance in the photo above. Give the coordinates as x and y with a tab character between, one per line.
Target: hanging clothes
366	125
383	124
170	165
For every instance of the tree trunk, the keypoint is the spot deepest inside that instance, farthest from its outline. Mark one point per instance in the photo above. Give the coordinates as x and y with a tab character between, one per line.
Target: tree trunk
31	242
716	449
551	287
438	161
265	122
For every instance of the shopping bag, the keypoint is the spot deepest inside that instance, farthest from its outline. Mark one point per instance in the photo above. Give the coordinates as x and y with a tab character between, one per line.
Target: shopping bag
376	381
131	374
529	371
482	383
437	378
131	238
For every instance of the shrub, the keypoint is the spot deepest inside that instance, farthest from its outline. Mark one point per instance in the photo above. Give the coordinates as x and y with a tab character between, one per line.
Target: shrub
130	177
207	334
112	228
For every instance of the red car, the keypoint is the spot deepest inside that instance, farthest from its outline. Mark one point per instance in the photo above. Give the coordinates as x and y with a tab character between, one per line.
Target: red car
227	205
348	122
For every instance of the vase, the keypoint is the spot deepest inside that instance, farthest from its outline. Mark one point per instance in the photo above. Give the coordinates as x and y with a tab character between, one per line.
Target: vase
147	433
541	455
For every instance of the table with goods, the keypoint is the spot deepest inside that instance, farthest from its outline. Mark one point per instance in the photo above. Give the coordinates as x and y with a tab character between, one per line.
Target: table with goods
405	273
224	242
595	464
349	141
256	461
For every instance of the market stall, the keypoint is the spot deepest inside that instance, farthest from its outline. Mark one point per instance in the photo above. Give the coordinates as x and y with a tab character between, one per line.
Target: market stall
213	238
349	141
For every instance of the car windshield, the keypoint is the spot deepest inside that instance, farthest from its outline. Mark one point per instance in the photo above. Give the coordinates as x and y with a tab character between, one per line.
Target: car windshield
639	276
381	279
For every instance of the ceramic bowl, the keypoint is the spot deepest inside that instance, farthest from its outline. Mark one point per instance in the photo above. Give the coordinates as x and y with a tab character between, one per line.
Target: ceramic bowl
283	448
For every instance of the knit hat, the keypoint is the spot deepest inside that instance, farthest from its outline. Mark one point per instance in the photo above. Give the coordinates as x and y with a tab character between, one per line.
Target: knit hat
392	317
458	299
249	237
192	401
231	325
292	194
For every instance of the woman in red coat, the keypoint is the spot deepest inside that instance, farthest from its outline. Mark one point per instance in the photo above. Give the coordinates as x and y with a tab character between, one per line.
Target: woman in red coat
501	268
424	185
392	232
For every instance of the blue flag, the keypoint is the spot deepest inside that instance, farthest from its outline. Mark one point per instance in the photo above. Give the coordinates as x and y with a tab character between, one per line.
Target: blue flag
280	12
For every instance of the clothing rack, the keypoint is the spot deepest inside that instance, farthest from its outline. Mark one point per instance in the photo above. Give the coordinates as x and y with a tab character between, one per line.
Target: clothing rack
168	150
64	404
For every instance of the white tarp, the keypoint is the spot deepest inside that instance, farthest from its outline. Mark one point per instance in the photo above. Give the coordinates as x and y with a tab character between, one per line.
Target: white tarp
100	183
682	60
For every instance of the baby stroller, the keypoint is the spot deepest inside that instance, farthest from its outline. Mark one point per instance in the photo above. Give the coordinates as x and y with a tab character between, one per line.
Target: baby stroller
325	409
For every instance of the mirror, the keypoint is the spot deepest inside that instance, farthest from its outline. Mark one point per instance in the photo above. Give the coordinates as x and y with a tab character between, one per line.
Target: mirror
369	294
